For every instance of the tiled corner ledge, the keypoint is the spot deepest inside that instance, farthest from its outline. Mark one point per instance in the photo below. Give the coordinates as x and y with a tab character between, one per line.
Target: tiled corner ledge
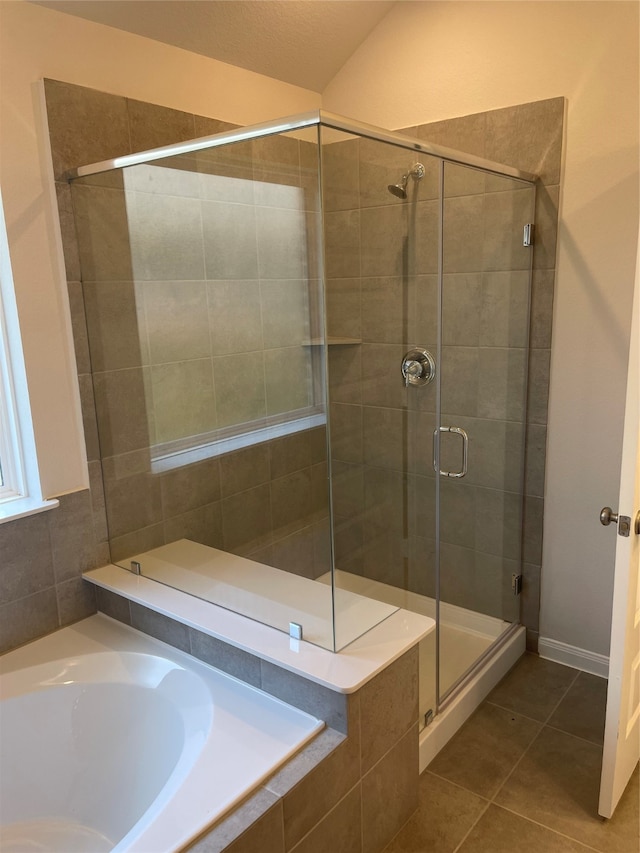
344	672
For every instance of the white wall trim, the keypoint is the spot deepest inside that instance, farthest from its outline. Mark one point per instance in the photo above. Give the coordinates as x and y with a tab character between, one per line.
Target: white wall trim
573	656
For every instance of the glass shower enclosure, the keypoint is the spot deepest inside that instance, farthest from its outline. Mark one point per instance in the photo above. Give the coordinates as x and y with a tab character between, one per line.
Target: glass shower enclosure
309	345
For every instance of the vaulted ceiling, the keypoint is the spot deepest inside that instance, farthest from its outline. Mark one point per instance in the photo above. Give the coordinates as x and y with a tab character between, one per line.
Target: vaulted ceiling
303	42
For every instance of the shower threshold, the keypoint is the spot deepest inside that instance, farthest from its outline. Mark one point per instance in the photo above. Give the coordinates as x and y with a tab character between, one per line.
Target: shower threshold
477	650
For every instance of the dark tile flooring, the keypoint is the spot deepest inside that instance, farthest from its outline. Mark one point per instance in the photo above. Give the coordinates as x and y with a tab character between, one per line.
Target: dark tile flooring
523	774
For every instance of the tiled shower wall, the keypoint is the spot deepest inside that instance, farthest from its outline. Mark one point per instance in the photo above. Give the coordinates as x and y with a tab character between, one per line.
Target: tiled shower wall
153	287
87	126
529	137
381	264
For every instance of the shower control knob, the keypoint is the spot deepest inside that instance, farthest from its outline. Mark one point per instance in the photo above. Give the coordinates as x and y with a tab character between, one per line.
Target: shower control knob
418	367
607	515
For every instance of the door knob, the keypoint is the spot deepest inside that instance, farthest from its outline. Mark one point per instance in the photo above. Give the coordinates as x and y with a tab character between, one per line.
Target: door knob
607	515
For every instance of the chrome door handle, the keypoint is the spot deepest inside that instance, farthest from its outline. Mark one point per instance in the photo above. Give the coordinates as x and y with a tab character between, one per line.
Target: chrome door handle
465	451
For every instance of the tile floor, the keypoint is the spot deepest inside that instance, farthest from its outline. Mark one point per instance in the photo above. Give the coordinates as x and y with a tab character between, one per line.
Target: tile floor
522	775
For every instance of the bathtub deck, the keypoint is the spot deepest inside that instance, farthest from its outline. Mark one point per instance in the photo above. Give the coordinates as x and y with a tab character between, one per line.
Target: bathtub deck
112	740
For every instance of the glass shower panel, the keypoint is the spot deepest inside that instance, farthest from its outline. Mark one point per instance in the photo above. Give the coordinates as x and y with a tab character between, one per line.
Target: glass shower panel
484	344
205	316
381	261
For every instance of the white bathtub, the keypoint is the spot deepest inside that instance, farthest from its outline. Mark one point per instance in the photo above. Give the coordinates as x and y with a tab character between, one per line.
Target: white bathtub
110	740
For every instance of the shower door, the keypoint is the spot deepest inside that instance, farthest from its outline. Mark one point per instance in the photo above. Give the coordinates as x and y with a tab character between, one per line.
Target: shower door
483	347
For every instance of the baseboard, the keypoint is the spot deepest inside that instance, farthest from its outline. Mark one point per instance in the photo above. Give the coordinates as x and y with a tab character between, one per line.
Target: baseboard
574	657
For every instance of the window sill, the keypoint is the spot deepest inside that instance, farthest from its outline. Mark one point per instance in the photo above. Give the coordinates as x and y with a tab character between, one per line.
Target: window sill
11	510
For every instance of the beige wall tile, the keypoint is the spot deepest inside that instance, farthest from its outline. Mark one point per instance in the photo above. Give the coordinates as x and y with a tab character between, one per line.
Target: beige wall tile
183	399
244	469
390	793
28	618
115	324
463	234
504	309
140	540
240	388
343	307
345	374
246	517
465	133
190	486
235	319
288	379
132	502
203	524
502	383
339	830
498	523
229	240
285	312
122	427
103	117
176	320
166	238
445	814
386	309
529	136
291	499
388	708
152	126
342	243
282	243
290	453
102	224
505	214
383	249
340	174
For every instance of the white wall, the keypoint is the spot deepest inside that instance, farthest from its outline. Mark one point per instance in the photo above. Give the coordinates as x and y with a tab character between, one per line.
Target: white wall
36	43
432	61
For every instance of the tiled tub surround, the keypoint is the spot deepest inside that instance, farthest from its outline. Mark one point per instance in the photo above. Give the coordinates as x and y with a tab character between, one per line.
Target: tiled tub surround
356	784
41	565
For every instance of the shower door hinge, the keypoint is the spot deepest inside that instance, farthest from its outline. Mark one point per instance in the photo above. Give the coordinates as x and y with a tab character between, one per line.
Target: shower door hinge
527	234
516	584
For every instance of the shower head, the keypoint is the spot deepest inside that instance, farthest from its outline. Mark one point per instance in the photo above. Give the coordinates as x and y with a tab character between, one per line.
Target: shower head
400	189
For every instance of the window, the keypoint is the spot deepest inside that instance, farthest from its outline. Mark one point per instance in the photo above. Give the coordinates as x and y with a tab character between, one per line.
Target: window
20	492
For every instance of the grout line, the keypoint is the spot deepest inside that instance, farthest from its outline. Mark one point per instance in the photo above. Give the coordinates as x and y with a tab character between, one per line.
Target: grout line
457	785
577	737
564	695
549	828
542	728
511	711
518	762
472	827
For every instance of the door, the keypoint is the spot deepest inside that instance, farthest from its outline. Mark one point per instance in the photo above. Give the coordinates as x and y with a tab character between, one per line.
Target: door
481	420
622	727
